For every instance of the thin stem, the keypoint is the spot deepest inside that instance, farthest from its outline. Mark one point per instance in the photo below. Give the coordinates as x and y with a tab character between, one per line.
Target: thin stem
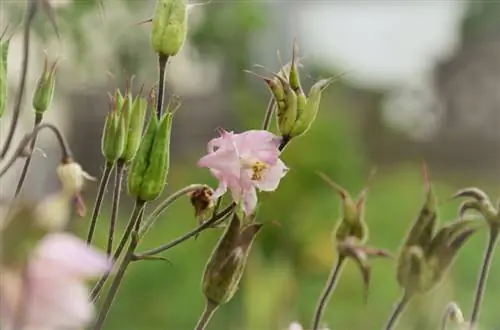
99	199
396	313
207	224
163	206
27	162
284	142
483	277
327	291
205	317
269	114
65	150
30	14
162	68
103	313
120	167
136	217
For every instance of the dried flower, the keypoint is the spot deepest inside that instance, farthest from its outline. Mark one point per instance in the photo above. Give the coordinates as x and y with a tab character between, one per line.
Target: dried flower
227	262
243	162
45	87
169	30
202	202
51	289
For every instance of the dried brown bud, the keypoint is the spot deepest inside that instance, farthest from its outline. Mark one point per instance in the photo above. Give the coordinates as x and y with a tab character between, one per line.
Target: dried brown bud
202	202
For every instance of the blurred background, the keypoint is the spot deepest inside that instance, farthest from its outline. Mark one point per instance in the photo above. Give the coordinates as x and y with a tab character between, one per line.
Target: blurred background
419	81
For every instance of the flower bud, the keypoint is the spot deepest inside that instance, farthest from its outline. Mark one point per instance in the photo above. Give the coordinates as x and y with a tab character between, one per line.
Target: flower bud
4	50
169	29
72	177
114	134
203	203
306	117
227	262
45	88
135	125
149	169
454	314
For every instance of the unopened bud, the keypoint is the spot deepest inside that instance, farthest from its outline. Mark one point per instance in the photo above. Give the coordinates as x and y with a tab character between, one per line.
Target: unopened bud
135	125
287	113
169	30
72	177
227	263
4	50
113	135
44	91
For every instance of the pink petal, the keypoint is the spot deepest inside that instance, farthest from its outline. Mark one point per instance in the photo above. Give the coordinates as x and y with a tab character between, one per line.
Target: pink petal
225	141
222	188
226	161
257	139
69	255
249	201
272	177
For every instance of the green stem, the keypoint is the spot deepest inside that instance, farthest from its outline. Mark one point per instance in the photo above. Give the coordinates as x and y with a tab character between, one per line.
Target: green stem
103	313
163	206
120	167
99	199
30	15
483	277
162	68
327	291
27	162
136	217
269	114
396	313
205	317
207	224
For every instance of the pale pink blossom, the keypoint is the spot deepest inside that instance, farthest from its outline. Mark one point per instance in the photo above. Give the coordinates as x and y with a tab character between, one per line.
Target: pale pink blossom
53	292
243	163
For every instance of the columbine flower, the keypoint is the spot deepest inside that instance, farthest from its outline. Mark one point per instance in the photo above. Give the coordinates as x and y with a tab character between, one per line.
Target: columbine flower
54	295
244	162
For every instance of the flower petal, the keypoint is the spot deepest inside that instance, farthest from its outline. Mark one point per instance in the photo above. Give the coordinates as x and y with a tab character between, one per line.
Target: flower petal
226	161
272	177
249	200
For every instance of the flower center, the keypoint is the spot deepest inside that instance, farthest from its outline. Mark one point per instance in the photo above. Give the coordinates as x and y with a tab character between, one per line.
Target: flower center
258	169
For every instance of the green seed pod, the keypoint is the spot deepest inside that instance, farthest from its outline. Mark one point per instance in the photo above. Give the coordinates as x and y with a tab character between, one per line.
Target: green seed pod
287	114
114	133
141	160
225	267
44	91
169	29
155	176
135	124
294	72
308	115
4	50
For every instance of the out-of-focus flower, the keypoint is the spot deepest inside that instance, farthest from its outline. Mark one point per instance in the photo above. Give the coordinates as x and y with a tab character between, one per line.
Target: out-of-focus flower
50	291
297	326
243	162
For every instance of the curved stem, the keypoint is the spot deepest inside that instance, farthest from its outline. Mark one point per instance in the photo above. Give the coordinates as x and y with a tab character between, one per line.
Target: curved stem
66	154
162	207
136	217
162	68
27	162
483	277
207	224
30	14
284	142
396	313
120	167
99	199
269	114
103	313
327	291
205	317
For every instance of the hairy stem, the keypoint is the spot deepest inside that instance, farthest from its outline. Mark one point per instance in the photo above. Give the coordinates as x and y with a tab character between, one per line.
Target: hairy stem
396	313
207	314
163	206
269	114
98	200
136	217
27	162
207	224
483	276
30	14
66	154
103	313
120	167
162	69
327	291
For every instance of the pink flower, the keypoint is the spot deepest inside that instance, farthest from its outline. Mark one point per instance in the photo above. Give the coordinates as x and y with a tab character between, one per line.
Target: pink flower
244	162
54	295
